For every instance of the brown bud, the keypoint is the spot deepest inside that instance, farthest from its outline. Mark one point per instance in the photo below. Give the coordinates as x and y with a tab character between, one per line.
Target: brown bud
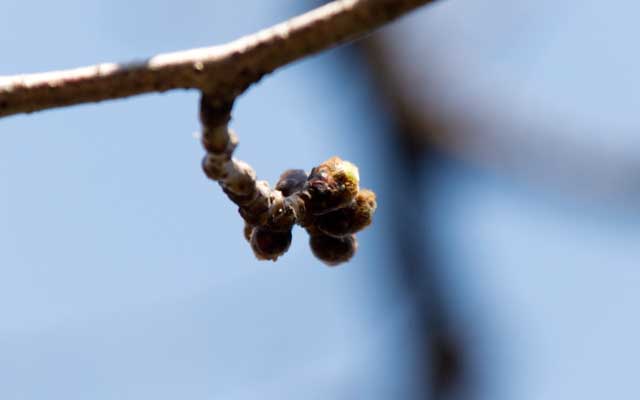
291	181
331	250
351	219
268	244
332	185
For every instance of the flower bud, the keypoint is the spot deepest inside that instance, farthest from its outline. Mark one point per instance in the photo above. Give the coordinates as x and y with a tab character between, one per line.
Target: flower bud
331	250
268	244
351	219
291	181
332	185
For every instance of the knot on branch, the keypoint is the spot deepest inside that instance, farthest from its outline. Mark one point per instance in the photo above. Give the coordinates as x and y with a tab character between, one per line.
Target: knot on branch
328	202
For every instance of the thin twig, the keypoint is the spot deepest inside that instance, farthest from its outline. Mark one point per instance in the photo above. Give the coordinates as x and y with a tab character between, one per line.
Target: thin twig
328	202
222	71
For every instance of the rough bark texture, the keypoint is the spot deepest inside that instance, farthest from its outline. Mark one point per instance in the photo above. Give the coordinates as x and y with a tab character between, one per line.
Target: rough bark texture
221	71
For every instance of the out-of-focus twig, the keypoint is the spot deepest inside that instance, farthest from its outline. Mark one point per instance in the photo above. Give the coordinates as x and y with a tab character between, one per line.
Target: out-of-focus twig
540	148
441	355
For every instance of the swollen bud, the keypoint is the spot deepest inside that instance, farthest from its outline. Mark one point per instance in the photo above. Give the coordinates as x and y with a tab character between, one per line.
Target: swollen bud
269	245
332	185
291	181
351	219
331	250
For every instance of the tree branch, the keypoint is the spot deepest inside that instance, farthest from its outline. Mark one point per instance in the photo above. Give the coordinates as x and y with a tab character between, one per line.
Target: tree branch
221	71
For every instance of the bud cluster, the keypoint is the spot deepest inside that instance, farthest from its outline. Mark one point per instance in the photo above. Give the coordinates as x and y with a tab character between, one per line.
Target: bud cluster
339	208
328	202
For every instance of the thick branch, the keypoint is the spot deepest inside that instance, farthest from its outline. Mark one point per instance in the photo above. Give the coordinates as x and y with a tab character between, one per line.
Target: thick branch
222	71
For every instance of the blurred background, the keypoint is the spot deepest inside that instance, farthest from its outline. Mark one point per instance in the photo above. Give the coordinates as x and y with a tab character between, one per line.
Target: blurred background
500	137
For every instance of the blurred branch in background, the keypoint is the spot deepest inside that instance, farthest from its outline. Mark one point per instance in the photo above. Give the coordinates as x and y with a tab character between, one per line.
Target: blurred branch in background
480	123
441	357
450	99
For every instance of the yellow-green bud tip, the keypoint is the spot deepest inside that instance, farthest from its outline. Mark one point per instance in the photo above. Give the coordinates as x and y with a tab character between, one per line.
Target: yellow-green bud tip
332	185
